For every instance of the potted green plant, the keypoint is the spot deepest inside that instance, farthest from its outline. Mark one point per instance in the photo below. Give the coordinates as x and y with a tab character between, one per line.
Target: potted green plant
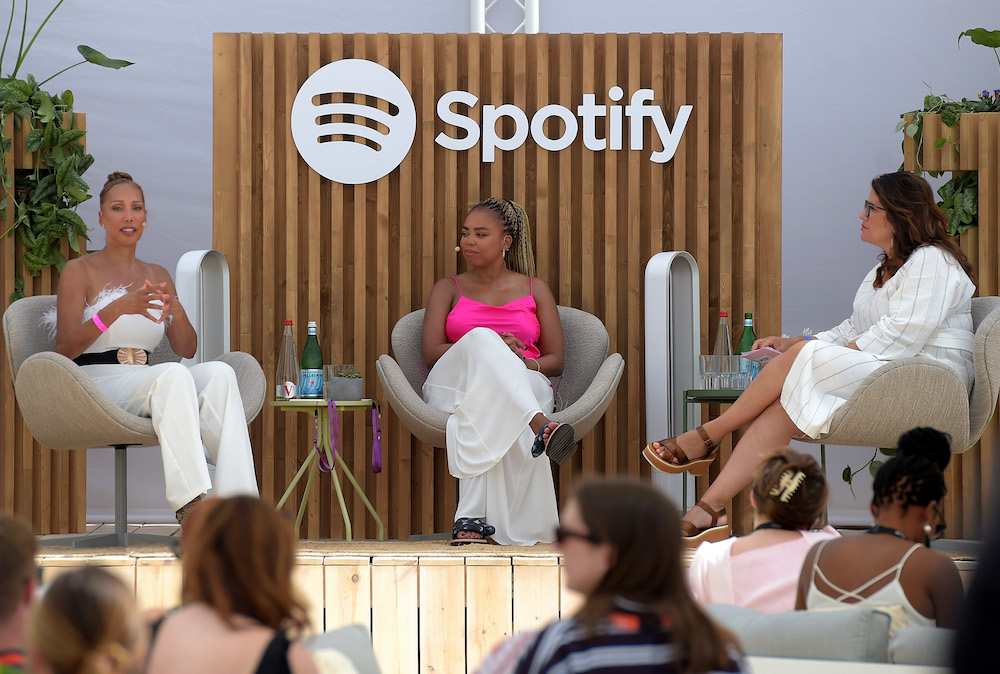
49	157
960	194
344	382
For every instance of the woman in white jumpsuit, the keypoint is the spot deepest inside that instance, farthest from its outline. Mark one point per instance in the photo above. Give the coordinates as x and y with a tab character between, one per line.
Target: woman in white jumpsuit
112	309
916	302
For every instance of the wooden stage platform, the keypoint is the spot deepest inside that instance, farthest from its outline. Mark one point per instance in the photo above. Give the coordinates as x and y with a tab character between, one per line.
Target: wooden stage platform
429	607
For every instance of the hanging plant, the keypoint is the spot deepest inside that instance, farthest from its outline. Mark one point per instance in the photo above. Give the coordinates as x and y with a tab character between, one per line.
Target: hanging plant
960	195
44	198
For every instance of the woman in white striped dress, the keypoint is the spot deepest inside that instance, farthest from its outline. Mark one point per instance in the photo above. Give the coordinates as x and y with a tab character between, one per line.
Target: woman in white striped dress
916	302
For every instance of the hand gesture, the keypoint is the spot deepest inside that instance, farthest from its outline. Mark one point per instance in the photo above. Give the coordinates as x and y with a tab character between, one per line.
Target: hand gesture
515	344
780	343
140	301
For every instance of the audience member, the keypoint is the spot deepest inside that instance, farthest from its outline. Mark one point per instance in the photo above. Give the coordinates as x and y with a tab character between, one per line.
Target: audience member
239	608
18	578
761	571
620	542
889	565
87	622
979	622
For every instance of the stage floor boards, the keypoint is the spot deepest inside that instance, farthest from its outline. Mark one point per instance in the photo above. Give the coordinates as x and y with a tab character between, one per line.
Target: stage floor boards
428	606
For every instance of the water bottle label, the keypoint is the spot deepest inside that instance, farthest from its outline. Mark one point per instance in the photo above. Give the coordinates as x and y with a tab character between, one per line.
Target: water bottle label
287	390
311	383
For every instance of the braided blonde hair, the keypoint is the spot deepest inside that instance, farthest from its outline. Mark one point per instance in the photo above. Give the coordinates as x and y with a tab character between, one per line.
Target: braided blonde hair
514	220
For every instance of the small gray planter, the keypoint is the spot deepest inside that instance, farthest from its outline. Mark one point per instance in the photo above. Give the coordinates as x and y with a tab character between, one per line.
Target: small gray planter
345	388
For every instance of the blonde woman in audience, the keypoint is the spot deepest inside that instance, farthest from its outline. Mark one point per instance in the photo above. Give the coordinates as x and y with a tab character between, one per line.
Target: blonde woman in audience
239	609
87	623
761	571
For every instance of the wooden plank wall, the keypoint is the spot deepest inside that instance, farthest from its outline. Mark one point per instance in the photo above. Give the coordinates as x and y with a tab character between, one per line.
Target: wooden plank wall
971	475
45	487
356	258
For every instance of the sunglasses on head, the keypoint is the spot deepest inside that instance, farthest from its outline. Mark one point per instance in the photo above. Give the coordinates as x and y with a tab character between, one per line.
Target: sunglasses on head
563	535
869	207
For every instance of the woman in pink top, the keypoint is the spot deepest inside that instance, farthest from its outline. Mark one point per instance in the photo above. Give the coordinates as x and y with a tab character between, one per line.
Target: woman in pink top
492	338
761	570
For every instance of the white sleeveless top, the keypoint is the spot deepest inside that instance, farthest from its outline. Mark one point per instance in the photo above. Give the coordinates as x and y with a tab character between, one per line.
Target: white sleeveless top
891	595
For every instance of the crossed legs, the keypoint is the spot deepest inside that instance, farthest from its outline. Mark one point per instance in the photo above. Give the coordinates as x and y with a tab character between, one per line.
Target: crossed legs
770	427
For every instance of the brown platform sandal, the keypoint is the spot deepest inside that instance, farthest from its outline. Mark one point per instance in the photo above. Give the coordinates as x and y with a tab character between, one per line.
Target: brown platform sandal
713	533
681	463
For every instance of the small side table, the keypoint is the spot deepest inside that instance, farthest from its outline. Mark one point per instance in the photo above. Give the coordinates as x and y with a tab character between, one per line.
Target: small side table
312	464
703	396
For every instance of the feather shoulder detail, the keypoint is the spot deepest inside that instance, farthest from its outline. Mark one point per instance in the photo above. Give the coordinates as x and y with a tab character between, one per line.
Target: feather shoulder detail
107	295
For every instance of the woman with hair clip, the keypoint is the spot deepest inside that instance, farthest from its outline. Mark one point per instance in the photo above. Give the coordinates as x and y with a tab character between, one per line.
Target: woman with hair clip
492	338
889	565
916	302
239	607
620	546
761	570
112	311
87	622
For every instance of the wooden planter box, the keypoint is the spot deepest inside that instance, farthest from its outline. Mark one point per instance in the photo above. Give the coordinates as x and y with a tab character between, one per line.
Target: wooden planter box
971	489
47	488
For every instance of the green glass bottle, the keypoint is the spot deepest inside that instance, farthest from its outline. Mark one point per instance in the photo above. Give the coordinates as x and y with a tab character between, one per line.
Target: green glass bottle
747	367
311	374
748	337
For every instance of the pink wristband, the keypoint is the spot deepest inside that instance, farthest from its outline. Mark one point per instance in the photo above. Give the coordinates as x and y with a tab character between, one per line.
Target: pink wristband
99	323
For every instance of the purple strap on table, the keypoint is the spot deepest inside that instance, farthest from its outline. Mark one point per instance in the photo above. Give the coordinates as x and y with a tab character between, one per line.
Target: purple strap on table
331	417
324	466
376	437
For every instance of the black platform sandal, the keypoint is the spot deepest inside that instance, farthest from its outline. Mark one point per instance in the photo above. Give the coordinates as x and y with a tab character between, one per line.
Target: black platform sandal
476	531
559	446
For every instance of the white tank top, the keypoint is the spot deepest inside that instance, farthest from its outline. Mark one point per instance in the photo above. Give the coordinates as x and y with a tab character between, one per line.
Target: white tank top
892	594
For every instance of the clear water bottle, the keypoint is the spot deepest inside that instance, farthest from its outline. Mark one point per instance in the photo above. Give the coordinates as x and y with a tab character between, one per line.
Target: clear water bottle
723	342
722	356
286	379
311	374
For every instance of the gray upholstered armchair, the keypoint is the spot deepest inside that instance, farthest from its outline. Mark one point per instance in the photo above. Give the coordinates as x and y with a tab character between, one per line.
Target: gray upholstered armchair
65	410
590	376
912	392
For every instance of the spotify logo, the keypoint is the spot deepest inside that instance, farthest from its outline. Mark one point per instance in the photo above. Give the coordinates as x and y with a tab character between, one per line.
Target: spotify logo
353	121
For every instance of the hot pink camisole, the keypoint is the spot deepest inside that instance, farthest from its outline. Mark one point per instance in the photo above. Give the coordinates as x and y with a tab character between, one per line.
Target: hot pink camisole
517	316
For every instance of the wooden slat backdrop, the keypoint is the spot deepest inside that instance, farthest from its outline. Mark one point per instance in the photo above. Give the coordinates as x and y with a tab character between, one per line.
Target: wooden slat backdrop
46	488
971	475
356	258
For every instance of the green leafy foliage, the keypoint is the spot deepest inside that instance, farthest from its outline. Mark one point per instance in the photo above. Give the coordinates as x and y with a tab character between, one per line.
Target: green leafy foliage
44	198
873	464
960	195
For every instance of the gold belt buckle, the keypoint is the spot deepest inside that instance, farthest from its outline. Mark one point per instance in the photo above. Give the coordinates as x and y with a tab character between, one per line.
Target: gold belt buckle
129	356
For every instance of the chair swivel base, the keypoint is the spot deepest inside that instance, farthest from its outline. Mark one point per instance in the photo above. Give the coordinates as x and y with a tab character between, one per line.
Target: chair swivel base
121	540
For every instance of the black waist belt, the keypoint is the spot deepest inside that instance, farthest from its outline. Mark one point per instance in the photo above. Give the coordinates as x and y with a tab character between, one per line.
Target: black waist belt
123	356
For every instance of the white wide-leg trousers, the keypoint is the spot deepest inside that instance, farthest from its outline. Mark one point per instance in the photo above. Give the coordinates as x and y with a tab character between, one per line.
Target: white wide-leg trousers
190	407
492	397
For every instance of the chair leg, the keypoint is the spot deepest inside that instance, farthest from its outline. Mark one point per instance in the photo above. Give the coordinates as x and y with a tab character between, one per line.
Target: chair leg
121	538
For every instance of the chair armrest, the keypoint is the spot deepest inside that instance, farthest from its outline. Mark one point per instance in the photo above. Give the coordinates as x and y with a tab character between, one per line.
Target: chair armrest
901	395
422	420
250	376
584	414
64	409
